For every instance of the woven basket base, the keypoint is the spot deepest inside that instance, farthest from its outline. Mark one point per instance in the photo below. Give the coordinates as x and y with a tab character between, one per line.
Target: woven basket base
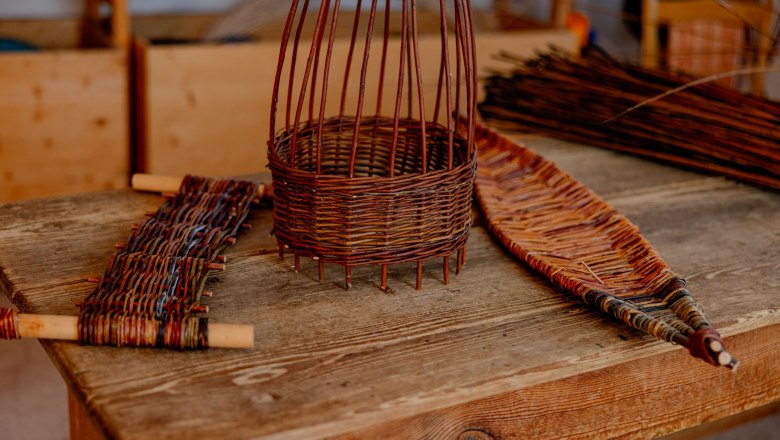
393	199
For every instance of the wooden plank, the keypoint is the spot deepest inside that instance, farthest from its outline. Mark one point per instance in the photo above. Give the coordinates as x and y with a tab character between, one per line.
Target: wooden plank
70	33
65	123
138	106
650	44
188	27
46	34
587	410
120	24
203	98
427	22
498	351
194	27
200	98
559	13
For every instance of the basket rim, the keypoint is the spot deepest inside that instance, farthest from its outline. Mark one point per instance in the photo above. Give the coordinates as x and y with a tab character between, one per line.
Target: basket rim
275	162
469	163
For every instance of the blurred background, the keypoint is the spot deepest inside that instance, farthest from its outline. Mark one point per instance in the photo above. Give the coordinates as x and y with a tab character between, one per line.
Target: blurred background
94	90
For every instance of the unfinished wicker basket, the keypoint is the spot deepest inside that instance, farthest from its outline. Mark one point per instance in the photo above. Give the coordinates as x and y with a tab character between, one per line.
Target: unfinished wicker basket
389	187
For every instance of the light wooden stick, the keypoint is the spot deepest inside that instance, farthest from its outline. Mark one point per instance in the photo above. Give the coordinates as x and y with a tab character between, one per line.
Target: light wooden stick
231	335
66	328
171	184
47	326
155	183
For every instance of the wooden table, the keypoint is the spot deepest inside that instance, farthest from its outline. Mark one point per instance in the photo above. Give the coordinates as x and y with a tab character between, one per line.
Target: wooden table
498	352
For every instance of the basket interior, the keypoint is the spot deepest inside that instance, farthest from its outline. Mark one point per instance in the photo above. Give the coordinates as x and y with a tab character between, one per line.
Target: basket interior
374	147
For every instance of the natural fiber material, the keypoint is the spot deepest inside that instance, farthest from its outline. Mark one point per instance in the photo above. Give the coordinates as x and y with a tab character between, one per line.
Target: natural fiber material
580	243
381	186
707	127
153	285
8	324
372	218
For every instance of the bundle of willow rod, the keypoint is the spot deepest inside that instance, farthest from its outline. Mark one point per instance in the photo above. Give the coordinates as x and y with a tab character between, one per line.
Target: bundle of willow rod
388	180
580	243
150	293
705	127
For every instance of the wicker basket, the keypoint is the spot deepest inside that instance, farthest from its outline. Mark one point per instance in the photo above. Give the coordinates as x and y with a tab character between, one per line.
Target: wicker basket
358	190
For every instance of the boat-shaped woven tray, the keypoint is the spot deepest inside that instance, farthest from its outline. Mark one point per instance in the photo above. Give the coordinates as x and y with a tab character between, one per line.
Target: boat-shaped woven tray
579	242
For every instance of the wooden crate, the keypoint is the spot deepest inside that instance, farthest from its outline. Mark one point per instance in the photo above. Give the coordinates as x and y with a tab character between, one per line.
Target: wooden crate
204	108
64	110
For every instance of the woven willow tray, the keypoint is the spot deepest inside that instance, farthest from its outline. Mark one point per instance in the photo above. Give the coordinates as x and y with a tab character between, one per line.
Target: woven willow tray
580	243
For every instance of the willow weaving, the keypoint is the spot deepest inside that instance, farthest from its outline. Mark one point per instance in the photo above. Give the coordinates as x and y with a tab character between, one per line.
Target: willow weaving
386	181
580	243
150	293
7	324
599	101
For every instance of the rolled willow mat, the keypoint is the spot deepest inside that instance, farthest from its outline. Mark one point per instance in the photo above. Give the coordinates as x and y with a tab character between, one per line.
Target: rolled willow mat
580	243
595	100
150	293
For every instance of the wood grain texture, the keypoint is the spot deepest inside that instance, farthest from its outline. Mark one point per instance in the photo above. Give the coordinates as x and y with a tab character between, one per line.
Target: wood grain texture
111	31
497	352
82	427
195	27
64	123
195	99
47	34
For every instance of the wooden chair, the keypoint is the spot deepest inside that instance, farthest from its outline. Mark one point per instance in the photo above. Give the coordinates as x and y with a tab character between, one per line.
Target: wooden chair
743	14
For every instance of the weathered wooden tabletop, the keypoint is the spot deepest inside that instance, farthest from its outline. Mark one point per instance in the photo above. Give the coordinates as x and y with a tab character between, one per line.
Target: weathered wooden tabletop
498	352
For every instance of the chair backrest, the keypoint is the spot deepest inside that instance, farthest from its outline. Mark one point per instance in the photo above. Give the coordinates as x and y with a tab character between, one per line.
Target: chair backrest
753	15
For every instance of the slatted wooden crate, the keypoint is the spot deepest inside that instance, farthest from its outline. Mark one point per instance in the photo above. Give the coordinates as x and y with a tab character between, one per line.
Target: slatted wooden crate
64	109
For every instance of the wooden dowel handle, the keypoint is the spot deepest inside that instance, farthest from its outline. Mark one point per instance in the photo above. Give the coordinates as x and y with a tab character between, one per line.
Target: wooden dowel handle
231	336
66	328
155	183
47	326
171	184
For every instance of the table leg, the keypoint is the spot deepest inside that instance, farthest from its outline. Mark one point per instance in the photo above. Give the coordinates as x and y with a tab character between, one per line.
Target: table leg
81	425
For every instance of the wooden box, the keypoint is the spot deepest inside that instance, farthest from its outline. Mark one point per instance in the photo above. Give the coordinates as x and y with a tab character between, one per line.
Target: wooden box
64	109
204	108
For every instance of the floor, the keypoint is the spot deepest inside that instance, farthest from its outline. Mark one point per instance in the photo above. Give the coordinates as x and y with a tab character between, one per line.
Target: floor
33	396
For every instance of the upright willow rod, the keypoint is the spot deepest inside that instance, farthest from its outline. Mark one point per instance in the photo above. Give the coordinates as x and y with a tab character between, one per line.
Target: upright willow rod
368	177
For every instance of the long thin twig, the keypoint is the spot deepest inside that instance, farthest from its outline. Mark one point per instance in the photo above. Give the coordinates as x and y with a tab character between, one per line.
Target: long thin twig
688	85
